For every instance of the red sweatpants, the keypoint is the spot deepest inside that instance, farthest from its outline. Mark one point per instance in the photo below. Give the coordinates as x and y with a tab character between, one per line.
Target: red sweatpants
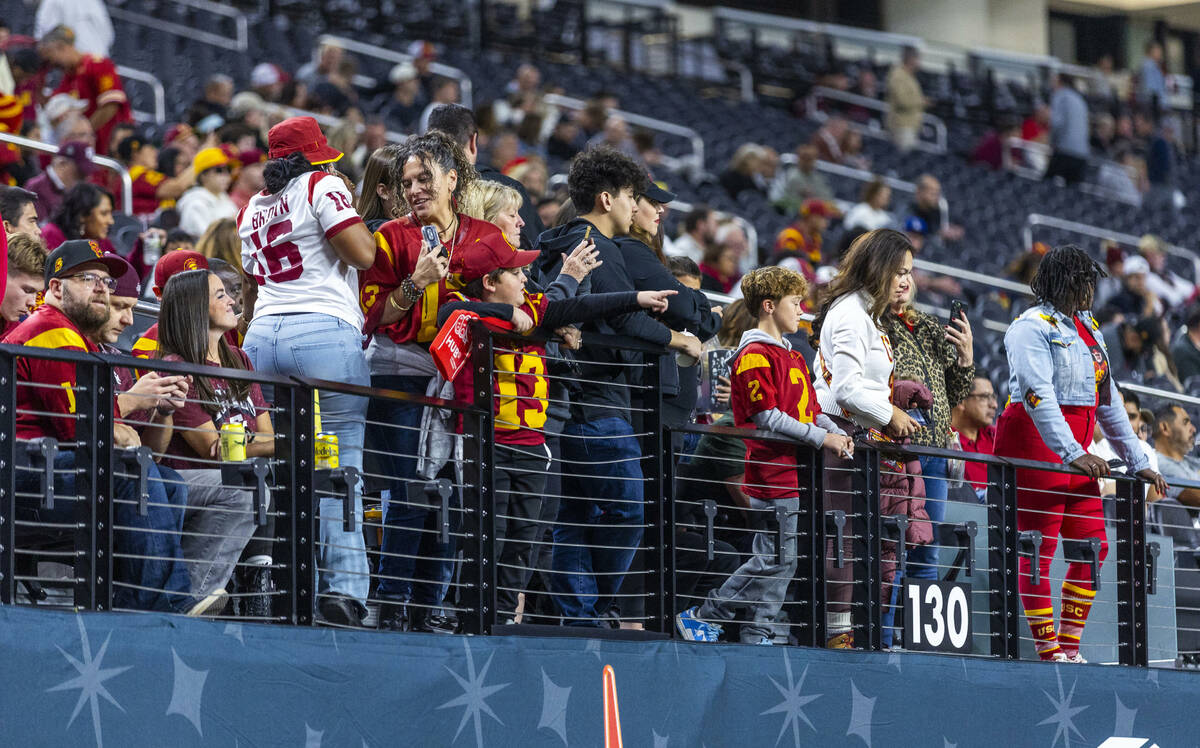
1056	504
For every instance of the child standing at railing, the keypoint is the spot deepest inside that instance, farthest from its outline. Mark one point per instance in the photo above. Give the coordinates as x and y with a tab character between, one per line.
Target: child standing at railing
772	391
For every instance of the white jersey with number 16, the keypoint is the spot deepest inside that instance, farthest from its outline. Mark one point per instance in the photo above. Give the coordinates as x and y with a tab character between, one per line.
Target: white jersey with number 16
285	247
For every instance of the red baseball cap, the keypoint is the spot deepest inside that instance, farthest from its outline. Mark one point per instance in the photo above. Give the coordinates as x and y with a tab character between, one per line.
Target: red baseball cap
814	207
176	262
301	135
488	253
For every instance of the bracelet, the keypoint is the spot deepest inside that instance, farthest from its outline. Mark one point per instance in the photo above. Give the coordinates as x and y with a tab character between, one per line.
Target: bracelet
395	305
410	290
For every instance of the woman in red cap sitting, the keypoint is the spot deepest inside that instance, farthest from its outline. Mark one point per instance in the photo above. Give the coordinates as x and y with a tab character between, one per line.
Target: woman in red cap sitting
303	244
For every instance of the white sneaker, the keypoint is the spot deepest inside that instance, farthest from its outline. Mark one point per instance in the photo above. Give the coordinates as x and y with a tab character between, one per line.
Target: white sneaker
210	605
1058	657
1077	659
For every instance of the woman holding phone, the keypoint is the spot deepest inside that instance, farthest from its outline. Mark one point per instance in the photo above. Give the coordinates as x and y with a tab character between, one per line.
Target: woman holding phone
302	247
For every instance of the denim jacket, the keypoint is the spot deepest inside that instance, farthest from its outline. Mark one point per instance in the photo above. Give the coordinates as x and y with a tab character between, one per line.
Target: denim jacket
1050	366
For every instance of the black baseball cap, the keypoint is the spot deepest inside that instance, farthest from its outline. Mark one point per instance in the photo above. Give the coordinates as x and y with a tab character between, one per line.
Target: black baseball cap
71	254
657	194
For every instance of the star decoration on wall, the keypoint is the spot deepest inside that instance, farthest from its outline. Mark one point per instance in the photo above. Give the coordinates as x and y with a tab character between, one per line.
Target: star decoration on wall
312	738
475	695
90	680
188	692
554	707
862	709
1063	718
234	630
660	741
792	706
1125	717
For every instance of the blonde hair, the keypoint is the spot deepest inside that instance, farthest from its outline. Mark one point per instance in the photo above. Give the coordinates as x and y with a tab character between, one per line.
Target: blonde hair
26	255
220	240
485	200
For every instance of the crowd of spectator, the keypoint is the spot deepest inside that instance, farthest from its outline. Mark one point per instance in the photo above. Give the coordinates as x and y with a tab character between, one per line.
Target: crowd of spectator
278	245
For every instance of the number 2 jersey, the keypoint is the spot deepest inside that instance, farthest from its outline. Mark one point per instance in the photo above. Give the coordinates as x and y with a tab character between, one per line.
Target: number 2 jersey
769	376
285	246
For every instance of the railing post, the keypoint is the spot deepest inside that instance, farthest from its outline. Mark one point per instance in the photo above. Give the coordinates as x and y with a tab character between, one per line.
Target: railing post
8	478
810	567
659	472
296	506
1132	628
93	486
479	456
866	610
1003	561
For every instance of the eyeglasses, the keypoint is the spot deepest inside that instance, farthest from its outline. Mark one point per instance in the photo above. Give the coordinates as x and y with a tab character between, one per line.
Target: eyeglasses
983	395
92	279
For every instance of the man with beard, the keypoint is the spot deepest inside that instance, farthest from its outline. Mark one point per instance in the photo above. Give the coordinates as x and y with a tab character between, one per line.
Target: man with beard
151	573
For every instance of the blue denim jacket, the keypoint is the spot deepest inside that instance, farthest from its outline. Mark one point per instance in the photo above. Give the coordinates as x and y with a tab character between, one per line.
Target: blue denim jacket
1049	366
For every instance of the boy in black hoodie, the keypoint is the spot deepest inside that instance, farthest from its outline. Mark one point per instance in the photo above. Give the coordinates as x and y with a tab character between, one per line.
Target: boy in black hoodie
599	527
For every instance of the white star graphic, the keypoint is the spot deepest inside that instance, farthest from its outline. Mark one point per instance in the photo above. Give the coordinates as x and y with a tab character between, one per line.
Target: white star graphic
593	646
474	697
188	692
90	680
554	707
894	660
660	741
1125	718
312	738
234	630
792	706
1063	718
861	710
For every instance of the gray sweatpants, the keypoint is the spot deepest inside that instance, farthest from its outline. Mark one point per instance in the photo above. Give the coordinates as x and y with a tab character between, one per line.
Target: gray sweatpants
760	584
216	527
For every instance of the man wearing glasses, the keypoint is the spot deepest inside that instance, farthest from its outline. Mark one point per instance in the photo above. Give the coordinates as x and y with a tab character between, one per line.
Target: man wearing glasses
974	419
149	570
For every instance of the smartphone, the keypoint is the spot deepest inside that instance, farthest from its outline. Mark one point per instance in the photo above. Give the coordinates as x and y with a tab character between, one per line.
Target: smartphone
431	238
1116	464
918	415
957	309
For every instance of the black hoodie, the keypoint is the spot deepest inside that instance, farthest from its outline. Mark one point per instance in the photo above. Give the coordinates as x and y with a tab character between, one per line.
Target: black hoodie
591	401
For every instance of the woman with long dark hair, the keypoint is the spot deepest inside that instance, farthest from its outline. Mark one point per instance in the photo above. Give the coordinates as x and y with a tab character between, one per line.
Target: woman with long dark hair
302	247
853	376
1060	385
196	314
86	212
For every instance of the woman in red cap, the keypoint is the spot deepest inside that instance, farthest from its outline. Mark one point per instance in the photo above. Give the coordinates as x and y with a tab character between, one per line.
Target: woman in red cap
303	244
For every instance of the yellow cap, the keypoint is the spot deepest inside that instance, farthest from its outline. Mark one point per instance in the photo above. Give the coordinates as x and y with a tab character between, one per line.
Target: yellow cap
207	158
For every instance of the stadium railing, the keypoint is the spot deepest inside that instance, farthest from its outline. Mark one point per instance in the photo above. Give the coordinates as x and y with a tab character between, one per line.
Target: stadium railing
466	91
693	530
1034	220
159	115
238	41
864	176
929	123
102	161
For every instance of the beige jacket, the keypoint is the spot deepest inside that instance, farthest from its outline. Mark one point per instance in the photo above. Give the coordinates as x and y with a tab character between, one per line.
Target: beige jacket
905	99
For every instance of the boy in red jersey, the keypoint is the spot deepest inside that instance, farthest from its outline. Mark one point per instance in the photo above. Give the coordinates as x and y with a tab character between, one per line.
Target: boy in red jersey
772	391
494	277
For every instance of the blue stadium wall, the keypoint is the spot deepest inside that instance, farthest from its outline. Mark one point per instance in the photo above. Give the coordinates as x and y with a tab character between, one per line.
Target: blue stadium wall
134	680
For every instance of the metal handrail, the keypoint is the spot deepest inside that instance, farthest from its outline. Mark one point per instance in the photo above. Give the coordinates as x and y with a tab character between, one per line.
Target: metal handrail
1038	219
240	44
387	55
160	95
784	23
1142	389
862	175
104	161
328	120
1044	152
641	120
940	138
972	276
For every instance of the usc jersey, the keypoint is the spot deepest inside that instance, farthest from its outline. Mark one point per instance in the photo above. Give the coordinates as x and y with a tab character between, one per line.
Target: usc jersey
95	81
145	189
765	377
519	387
47	327
285	246
397	246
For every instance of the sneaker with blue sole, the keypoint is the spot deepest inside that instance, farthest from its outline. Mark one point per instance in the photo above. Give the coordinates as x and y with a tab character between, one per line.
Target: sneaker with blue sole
696	630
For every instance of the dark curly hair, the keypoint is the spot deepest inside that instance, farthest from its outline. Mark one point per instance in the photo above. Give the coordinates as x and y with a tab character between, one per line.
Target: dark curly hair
77	203
434	147
279	172
1066	279
602	169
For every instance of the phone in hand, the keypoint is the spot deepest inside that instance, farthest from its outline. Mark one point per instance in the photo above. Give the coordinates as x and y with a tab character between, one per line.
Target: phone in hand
957	309
431	238
918	415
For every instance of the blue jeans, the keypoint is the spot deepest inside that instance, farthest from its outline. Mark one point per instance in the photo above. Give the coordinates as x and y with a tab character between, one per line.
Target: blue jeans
153	539
922	559
413	565
599	531
320	346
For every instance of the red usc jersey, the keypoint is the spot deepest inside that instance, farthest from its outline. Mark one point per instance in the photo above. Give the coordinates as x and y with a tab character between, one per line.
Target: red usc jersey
397	246
145	189
145	346
47	327
766	377
519	387
95	81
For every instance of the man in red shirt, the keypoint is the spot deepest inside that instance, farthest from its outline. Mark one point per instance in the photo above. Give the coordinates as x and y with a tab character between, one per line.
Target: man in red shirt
149	570
88	78
974	419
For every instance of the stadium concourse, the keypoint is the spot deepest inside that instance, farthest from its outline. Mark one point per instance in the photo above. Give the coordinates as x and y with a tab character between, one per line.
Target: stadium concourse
478	369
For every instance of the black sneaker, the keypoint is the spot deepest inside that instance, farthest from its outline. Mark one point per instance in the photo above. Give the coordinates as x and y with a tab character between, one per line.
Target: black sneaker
255	586
431	623
392	617
341	610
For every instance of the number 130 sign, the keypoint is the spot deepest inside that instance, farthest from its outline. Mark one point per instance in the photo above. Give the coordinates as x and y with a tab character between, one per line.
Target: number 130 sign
937	616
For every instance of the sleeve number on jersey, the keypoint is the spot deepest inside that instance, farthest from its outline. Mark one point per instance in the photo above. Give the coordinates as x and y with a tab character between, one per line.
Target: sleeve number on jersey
275	254
755	394
341	200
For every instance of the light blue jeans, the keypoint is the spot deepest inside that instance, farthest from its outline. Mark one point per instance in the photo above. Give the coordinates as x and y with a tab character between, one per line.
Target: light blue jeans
922	559
320	346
